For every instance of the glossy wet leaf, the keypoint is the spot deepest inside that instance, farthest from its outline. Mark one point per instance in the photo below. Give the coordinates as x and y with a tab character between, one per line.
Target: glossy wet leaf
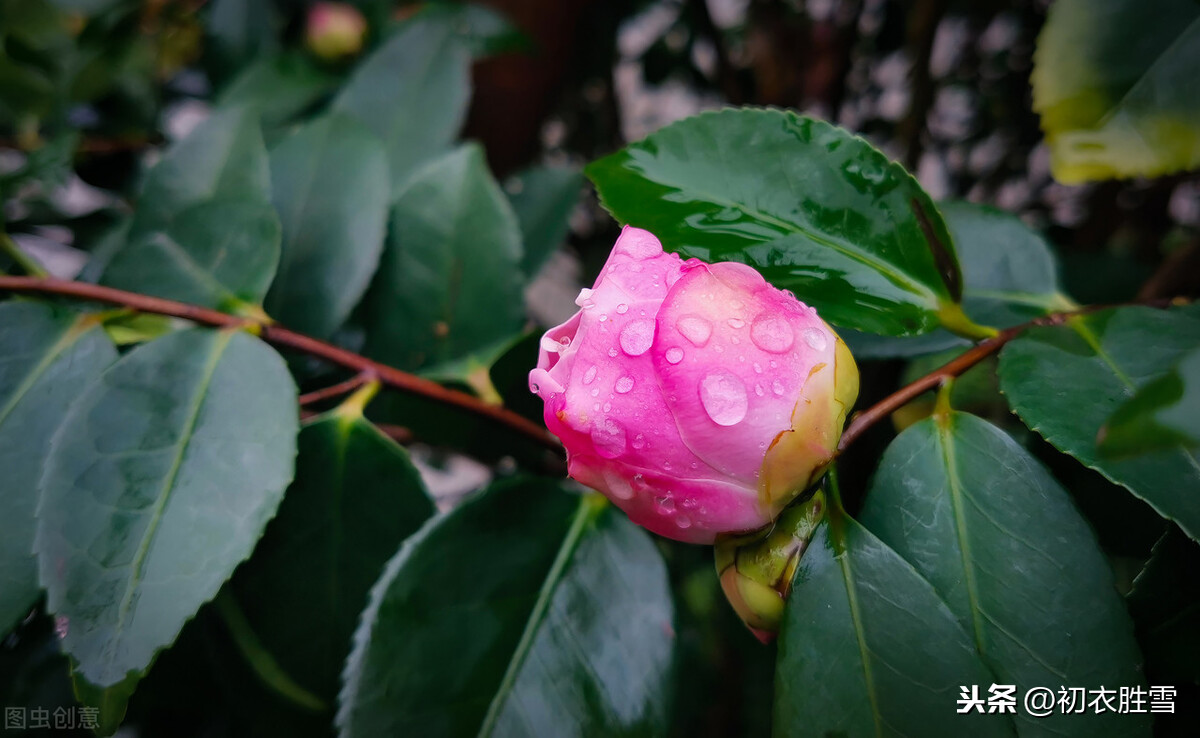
449	282
331	192
223	157
412	92
1115	83
356	498
219	254
998	538
47	357
868	647
543	199
815	209
1009	277
161	481
568	632
1164	413
1066	381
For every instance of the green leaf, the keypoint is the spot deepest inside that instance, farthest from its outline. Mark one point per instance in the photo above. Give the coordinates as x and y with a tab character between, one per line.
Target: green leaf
356	498
223	157
1009	277
279	87
1164	413
161	480
1117	90
814	208
1165	604
543	199
1000	541
450	268
868	648
331	191
484	31
47	357
412	92
219	254
1065	381
239	30
525	611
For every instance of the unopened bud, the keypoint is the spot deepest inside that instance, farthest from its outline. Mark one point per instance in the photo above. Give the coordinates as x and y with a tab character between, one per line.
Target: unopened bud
756	570
335	30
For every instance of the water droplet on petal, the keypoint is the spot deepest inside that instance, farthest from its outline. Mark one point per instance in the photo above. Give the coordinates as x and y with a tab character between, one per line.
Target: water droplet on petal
607	406
603	318
758	390
666	505
609	438
695	329
734	340
736	322
724	398
683	522
596	407
772	334
622	309
618	486
637	337
624	384
674	355
757	368
534	388
612	353
639	442
590	375
595	391
688	503
777	387
815	339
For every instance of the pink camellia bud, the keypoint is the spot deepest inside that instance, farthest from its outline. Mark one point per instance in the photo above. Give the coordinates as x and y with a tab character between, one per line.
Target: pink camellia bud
697	397
335	30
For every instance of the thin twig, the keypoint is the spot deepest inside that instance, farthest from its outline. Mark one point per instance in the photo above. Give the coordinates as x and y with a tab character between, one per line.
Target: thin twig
960	364
279	336
336	390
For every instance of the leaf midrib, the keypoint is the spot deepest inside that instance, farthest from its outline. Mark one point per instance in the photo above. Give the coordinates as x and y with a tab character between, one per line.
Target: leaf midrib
1085	332
71	335
843	559
1141	80
585	513
137	566
954	486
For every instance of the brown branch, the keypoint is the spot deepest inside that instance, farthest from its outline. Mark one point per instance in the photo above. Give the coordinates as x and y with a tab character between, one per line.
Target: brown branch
960	364
279	336
336	390
921	32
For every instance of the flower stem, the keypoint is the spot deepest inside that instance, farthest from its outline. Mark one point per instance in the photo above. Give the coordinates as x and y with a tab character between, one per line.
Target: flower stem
277	335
